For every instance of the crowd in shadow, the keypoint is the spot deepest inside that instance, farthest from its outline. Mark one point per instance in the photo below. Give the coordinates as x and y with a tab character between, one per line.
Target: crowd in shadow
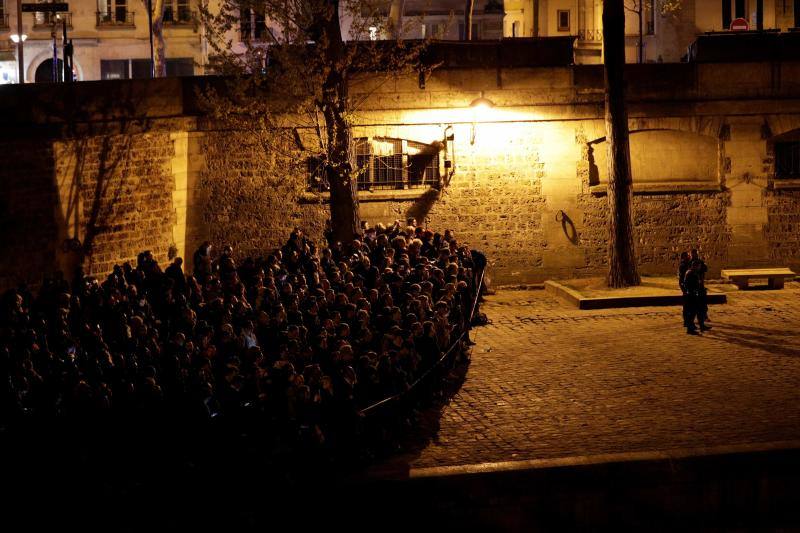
292	348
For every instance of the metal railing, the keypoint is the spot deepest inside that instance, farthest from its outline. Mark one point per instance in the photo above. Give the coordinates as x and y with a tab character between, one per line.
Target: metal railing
590	35
115	18
45	20
4	21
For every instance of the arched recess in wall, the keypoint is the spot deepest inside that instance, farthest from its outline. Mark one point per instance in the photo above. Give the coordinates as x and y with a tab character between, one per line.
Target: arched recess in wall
47	57
662	156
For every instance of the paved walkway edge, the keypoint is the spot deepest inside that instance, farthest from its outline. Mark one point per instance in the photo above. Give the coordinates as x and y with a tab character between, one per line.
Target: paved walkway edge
584	460
576	299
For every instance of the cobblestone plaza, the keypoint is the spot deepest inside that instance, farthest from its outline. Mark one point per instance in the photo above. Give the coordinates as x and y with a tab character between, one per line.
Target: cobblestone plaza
548	381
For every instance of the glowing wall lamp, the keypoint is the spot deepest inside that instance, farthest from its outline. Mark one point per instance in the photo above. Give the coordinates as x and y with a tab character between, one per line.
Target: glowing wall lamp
18	39
480	106
481	103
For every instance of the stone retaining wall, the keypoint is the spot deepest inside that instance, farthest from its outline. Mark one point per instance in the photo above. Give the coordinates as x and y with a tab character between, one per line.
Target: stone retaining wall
524	184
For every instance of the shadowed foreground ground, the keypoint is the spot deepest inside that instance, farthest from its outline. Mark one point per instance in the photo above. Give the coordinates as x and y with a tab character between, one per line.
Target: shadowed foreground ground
595	416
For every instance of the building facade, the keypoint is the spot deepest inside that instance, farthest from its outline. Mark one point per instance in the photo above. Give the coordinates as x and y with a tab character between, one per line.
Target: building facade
111	37
111	40
666	28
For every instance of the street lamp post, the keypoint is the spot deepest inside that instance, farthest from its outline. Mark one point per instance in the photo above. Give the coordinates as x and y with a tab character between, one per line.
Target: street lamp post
55	53
67	62
150	28
21	34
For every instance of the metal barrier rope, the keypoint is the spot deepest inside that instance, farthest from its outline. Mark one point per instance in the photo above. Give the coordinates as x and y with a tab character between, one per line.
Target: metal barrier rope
434	366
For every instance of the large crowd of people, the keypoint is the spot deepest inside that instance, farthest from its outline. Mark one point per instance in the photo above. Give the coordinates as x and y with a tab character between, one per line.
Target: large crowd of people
300	341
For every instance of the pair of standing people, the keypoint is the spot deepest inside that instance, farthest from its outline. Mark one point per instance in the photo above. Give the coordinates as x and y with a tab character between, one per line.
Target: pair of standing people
691	278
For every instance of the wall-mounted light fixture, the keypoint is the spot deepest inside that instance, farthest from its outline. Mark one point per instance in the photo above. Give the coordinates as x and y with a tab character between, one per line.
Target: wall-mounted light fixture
481	103
479	106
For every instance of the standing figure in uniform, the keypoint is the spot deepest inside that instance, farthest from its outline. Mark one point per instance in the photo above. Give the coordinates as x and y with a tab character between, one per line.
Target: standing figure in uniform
682	268
694	298
701	269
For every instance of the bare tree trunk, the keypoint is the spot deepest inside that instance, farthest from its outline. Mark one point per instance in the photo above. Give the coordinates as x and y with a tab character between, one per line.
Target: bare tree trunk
536	18
641	31
468	9
159	46
396	18
345	220
622	270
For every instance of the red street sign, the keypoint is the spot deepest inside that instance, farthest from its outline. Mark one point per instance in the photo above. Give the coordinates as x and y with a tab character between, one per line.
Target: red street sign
45	8
740	24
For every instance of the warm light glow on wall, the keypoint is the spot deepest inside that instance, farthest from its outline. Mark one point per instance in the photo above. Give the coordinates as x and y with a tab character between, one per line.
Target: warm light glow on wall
464	115
480	125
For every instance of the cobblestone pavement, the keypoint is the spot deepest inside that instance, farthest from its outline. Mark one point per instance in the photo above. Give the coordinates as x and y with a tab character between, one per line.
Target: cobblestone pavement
547	380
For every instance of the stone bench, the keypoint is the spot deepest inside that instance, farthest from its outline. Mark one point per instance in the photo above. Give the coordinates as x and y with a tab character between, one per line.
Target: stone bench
741	276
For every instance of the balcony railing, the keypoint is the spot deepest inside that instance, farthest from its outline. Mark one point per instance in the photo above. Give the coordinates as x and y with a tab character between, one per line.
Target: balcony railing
117	18
4	21
45	21
179	18
590	35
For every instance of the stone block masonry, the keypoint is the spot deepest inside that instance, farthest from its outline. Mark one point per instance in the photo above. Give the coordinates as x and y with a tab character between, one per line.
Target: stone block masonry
125	200
782	230
249	198
666	224
524	180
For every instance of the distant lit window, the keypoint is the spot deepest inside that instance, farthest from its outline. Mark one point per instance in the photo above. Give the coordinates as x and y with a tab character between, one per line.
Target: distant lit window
787	159
180	66
177	12
741	8
114	69
432	30
373	33
563	19
253	25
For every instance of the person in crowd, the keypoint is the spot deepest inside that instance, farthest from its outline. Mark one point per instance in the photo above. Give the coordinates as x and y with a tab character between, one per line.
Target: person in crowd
303	338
